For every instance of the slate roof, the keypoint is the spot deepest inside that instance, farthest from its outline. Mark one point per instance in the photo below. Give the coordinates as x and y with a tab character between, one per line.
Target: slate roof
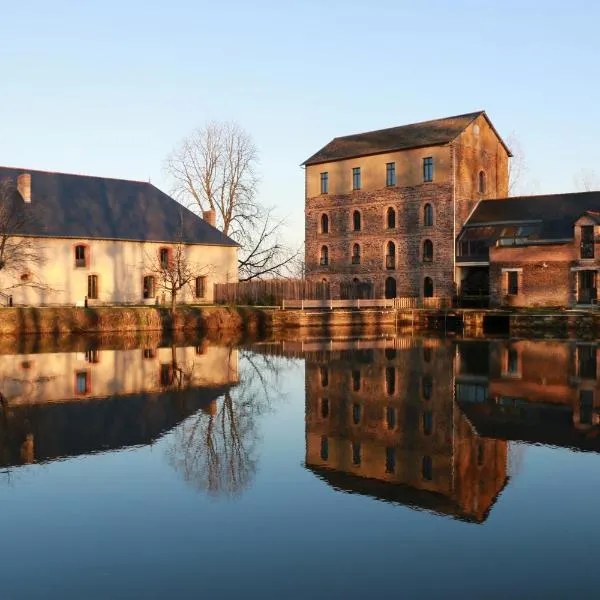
555	213
415	135
81	206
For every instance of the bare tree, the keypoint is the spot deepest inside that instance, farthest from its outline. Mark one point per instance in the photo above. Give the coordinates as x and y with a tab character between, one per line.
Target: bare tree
173	271
517	166
215	168
586	180
20	253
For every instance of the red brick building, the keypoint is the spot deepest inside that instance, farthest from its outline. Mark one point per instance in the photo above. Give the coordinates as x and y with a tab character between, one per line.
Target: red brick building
532	251
383	208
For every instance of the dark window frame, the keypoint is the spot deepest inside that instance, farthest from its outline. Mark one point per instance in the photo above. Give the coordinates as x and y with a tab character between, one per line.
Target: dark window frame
390	174
512	283
356	179
428	169
93	286
325	182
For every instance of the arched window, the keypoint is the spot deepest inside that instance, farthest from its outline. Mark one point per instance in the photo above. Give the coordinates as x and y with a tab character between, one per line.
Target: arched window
324	255
428	215
390	256
391	218
324	223
356	254
482	182
428	287
356	220
427	251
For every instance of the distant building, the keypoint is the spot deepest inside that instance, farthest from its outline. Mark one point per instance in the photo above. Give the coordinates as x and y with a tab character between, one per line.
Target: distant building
99	238
532	251
383	208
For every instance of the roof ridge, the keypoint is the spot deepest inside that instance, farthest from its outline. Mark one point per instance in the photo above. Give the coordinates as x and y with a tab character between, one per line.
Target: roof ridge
536	196
48	172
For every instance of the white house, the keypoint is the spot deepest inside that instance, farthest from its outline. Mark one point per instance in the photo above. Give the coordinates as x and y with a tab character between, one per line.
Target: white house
65	239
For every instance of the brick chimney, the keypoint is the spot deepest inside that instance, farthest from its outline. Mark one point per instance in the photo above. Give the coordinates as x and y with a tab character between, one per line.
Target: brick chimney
24	186
210	216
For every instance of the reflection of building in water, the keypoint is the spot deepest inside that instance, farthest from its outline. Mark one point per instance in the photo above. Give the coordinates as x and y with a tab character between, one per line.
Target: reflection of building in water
383	422
536	391
65	404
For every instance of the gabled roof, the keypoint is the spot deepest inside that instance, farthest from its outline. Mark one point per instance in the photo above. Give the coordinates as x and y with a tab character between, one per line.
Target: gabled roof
414	135
81	206
556	213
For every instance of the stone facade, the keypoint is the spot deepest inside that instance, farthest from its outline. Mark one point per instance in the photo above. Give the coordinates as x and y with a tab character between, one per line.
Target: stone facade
451	195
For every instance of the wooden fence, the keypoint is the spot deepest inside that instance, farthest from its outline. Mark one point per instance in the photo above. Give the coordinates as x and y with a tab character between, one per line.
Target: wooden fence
269	292
394	303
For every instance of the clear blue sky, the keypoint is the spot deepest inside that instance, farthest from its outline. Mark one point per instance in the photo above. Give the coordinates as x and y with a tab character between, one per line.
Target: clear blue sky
108	88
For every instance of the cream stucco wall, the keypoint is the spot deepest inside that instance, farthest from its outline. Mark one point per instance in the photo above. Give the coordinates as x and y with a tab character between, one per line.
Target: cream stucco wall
409	170
120	267
52	377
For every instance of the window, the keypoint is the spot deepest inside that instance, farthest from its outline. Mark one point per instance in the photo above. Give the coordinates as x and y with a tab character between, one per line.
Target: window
390	353
426	387
200	287
324	371
390	460
586	362
92	356
164	257
325	183
149	353
391	218
512	362
587	241
92	287
324	448
324	255
390	380
200	350
427	251
148	287
512	283
390	174
81	256
428	168
428	287
166	374
324	223
428	215
586	407
390	256
427	468
427	422
356	178
324	408
356	452
481	182
390	417
356	255
356	411
82	383
356	224
356	380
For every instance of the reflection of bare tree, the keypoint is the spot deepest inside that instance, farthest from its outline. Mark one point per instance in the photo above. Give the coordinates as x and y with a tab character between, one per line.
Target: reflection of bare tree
216	449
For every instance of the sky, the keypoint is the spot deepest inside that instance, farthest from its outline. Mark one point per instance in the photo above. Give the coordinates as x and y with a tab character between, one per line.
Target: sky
109	88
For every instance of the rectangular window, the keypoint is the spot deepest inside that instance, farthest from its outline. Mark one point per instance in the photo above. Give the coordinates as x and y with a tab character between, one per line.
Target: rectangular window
587	241
512	284
324	183
92	356
428	168
200	287
166	374
390	417
512	362
92	287
82	383
586	362
356	453
427	422
80	256
324	448
149	353
356	410
586	407
164	257
148	287
324	408
356	178
390	174
390	460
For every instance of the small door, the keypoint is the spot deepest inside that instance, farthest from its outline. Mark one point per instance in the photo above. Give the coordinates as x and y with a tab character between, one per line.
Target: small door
586	290
390	287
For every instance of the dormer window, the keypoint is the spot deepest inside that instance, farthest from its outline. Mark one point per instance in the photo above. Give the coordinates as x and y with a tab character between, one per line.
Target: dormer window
81	256
587	241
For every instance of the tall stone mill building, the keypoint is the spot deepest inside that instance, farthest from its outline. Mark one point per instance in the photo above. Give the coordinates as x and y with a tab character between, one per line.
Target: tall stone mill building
383	208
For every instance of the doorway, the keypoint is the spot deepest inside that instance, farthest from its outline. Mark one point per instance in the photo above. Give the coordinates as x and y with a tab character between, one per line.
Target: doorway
390	287
586	288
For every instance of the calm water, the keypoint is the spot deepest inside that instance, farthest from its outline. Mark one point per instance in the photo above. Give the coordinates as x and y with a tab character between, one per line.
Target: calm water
326	469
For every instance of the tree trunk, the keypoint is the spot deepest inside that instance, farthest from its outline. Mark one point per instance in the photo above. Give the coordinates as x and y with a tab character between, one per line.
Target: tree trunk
173	302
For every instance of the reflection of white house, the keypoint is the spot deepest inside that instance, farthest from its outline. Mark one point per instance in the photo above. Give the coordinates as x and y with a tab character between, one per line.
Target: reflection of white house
72	376
102	238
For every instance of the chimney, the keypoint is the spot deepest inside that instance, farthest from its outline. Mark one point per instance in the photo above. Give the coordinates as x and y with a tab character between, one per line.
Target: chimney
210	216
24	186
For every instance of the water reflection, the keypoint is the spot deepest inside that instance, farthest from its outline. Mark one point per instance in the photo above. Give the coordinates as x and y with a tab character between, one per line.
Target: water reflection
56	405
